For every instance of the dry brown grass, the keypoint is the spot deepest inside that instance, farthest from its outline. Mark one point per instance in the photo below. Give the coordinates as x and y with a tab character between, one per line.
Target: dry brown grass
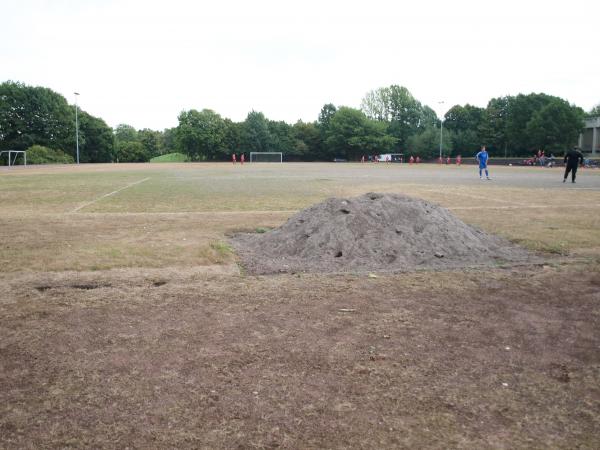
105	241
122	329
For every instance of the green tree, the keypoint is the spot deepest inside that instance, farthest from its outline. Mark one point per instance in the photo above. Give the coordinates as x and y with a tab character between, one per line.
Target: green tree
123	134
95	139
428	117
397	106
493	130
465	123
35	115
152	141
232	142
327	112
169	142
255	133
376	104
126	133
426	144
594	112
465	142
281	138
131	151
201	135
323	123
521	110
555	126
308	141
351	134
463	118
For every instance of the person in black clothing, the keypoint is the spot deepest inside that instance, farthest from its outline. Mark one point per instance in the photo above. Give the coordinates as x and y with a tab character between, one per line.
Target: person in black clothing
572	159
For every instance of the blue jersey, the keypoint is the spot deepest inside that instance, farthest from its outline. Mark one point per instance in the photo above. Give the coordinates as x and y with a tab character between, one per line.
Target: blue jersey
482	157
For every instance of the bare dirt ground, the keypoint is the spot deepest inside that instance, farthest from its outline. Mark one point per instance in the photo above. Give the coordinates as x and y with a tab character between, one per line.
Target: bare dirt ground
167	344
472	359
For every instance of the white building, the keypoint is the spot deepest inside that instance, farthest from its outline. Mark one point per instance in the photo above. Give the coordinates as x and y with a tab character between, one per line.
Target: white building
589	140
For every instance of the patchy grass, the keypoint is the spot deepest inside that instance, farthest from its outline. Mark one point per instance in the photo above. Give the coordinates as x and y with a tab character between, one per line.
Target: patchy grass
554	248
173	217
222	252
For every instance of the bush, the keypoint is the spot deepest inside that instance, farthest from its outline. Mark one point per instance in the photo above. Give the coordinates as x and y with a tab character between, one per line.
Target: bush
170	157
132	152
36	154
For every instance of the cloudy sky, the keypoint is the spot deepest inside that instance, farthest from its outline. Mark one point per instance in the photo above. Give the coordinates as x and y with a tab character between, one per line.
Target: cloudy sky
143	62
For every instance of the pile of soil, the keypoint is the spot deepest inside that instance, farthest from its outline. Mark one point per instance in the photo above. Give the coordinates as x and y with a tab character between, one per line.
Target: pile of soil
372	232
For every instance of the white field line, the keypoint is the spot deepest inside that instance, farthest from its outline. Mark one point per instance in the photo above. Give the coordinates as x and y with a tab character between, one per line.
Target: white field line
109	194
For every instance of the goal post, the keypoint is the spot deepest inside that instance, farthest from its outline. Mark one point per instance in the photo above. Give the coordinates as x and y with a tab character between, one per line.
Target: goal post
266	157
12	160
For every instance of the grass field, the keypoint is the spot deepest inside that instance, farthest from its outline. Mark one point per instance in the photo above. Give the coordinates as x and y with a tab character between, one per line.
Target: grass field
126	321
170	158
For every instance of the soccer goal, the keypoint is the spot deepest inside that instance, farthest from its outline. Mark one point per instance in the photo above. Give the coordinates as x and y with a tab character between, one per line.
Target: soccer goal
266	157
12	160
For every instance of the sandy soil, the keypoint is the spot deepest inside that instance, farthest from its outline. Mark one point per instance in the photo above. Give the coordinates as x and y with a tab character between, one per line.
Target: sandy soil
390	232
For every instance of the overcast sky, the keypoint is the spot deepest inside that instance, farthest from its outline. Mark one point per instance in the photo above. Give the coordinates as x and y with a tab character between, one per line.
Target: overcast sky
143	62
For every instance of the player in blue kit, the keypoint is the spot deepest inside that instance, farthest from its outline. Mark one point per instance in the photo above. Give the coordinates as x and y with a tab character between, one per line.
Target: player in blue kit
482	157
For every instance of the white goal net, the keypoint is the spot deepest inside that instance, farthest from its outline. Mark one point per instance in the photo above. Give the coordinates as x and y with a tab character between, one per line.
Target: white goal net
266	157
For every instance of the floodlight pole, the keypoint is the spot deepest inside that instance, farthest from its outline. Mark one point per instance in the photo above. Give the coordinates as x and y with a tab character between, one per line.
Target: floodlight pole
441	130
76	127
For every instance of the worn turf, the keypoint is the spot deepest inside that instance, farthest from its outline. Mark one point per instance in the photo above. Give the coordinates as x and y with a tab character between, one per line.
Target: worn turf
126	322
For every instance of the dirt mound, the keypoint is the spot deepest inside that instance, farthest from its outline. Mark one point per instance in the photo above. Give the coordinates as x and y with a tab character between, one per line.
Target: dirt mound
372	232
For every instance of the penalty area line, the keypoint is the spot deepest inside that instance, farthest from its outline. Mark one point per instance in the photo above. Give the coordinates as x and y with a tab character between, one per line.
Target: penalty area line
108	195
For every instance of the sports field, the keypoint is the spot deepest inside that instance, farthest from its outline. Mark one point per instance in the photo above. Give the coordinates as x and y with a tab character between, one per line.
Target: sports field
125	320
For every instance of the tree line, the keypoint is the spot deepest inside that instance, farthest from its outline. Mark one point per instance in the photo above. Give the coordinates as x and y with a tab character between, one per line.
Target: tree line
390	120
